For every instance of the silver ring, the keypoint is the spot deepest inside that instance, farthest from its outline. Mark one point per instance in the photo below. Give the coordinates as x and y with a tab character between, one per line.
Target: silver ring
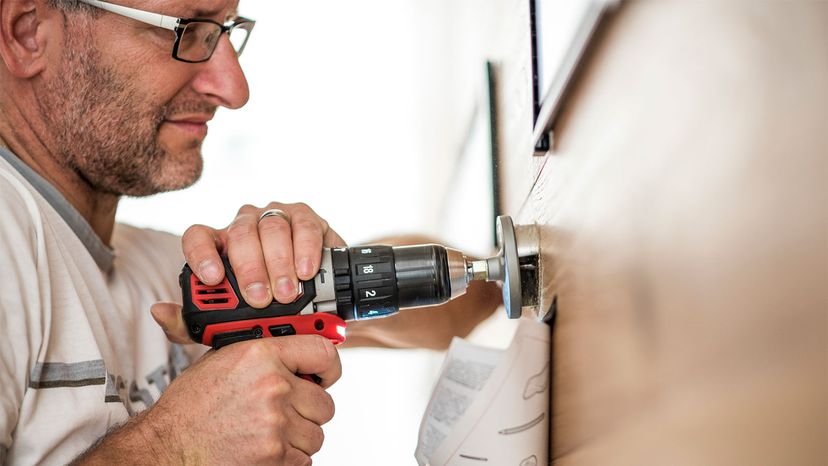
274	213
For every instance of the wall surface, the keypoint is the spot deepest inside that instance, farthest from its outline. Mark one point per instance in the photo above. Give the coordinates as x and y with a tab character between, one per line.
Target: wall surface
683	212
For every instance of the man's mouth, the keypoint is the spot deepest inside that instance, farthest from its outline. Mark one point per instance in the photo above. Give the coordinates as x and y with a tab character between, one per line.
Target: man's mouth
191	124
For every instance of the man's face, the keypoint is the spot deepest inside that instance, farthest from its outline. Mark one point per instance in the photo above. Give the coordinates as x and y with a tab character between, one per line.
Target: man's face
126	116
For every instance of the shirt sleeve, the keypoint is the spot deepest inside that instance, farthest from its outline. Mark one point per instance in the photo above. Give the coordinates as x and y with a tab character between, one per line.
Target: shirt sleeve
20	301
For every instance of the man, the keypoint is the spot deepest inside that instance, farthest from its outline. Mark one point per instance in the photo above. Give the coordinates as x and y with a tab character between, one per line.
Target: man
98	101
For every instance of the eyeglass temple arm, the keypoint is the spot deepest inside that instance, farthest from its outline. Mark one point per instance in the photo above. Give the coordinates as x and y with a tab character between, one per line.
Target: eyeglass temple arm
155	19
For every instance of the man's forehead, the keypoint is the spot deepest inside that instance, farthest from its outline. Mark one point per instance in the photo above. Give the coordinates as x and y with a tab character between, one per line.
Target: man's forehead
214	9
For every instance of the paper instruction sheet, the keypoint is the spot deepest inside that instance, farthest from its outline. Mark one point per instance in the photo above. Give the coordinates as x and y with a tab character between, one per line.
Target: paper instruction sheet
490	406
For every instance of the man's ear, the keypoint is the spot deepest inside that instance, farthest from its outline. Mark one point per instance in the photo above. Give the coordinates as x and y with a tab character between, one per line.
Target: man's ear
22	38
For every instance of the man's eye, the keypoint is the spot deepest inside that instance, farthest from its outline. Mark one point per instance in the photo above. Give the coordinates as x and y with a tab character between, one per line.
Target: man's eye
211	38
163	33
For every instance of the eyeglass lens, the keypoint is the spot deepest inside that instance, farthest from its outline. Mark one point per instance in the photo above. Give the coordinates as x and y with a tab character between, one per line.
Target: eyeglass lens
238	36
199	39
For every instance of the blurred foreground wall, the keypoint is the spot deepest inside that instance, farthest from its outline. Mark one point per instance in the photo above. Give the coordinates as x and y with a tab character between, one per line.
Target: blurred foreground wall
683	210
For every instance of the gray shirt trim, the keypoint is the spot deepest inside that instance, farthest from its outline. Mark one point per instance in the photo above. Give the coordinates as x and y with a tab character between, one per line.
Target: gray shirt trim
101	253
62	374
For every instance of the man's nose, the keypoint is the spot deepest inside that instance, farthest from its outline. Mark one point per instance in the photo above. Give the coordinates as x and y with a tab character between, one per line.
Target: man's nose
221	78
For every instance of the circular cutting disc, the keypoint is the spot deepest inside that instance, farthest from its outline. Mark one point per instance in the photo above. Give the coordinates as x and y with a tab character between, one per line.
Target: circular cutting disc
512	298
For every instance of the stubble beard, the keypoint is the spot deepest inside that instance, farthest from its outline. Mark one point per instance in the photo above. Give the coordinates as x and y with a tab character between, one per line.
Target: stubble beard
107	133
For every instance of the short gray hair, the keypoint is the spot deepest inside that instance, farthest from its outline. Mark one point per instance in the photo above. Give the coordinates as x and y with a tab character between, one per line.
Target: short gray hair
74	6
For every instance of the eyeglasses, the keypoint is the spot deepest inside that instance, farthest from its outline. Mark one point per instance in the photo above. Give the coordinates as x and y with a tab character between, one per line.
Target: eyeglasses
195	39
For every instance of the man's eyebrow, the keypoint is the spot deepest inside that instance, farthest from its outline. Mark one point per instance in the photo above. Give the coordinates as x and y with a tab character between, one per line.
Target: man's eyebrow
206	13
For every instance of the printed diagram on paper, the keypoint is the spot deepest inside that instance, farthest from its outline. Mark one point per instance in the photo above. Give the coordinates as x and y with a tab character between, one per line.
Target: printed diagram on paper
490	406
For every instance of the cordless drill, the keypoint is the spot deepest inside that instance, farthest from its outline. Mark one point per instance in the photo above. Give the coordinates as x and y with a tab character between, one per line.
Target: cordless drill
356	283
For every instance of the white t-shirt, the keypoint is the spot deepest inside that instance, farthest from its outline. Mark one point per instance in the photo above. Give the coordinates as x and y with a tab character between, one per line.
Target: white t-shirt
79	350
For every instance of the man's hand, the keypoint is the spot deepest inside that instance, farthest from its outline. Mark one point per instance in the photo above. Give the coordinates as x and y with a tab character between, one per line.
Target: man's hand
243	404
269	257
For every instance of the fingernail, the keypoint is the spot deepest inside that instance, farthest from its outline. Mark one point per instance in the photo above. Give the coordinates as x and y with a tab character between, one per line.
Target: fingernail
209	271
305	267
285	287
257	292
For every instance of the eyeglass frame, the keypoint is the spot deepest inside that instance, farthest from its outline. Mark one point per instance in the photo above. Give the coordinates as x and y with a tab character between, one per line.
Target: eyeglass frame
177	25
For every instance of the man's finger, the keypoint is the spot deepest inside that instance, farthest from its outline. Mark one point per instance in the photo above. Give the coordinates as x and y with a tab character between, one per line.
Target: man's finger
308	354
305	435
201	245
332	238
312	402
275	233
308	236
244	250
168	317
294	456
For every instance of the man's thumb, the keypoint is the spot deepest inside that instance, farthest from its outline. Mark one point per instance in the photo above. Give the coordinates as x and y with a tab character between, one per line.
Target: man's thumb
168	317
